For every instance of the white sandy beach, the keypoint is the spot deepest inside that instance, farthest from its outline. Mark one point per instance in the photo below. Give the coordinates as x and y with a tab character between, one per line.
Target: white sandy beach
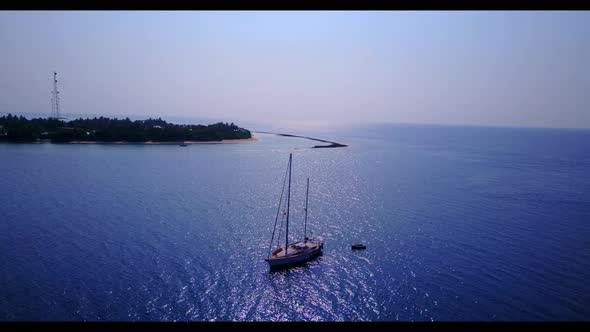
225	141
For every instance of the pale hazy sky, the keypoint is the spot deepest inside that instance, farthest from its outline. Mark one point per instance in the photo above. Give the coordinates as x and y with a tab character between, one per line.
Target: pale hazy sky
485	68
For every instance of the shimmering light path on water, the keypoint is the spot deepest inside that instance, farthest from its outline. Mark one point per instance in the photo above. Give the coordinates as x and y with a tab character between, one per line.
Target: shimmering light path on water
460	224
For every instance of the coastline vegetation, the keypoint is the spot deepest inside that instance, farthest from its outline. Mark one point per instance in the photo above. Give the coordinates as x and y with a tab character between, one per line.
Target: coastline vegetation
19	129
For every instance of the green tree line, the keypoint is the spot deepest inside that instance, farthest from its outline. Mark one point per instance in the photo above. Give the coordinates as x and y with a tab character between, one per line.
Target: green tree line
19	129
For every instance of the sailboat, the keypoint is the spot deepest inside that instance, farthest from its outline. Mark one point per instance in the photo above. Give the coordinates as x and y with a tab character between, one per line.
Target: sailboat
297	252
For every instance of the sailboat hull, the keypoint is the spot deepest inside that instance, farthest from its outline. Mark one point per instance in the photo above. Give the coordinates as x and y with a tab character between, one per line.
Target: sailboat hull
298	253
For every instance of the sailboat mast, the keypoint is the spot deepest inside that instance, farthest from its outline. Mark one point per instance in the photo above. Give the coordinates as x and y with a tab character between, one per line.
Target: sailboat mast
288	201
305	224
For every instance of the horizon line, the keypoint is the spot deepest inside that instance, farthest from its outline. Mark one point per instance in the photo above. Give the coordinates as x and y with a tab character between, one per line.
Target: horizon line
344	124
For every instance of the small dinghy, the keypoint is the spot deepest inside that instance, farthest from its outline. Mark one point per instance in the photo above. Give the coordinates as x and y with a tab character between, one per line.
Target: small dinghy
358	246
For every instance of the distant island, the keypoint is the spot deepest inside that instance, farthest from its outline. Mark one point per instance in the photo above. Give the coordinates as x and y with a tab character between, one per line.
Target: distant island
19	129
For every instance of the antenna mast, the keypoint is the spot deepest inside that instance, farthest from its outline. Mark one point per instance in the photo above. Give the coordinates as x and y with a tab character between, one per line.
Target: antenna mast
55	99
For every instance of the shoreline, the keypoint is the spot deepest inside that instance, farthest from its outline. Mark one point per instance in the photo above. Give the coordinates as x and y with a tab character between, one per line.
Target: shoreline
225	141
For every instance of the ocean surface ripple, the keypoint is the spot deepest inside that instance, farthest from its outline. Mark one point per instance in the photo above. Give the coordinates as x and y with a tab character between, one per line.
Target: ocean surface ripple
460	224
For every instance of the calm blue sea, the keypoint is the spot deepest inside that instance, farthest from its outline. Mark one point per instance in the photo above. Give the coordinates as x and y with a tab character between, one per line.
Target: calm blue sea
461	223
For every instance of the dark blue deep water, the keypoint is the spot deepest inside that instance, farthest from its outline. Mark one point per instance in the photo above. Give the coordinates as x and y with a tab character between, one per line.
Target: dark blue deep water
461	223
